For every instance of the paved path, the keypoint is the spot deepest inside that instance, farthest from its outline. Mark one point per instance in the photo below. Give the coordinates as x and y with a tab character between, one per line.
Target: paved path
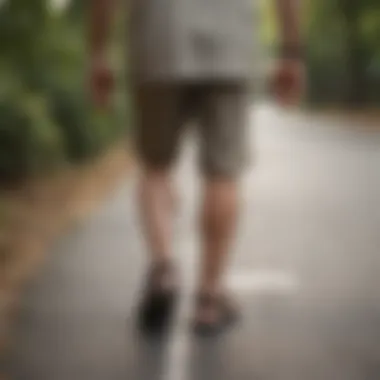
306	270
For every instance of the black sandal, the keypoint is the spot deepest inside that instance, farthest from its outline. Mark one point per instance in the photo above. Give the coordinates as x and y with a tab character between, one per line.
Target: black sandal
227	315
157	306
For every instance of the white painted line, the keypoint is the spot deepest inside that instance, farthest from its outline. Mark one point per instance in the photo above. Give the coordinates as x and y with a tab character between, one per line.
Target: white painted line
179	346
264	281
260	281
178	357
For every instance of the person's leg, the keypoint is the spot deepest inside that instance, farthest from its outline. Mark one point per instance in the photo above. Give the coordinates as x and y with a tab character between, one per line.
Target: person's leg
223	155
218	222
158	129
156	213
159	124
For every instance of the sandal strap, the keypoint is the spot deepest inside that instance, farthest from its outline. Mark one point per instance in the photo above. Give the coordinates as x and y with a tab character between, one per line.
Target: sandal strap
226	313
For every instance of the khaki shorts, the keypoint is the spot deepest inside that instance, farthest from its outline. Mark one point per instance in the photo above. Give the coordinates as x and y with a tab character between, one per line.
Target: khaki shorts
220	114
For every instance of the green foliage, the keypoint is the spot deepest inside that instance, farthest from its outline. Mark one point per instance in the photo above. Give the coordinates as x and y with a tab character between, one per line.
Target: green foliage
45	116
269	30
29	139
343	51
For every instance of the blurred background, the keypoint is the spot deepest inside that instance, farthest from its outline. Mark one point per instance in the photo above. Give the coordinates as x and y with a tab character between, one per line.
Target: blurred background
43	73
341	50
46	118
60	156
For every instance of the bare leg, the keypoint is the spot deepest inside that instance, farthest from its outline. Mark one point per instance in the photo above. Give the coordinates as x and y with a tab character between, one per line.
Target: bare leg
223	155
219	216
156	202
157	305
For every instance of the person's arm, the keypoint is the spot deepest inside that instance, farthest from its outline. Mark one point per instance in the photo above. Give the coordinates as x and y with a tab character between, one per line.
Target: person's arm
101	78
288	12
288	81
101	14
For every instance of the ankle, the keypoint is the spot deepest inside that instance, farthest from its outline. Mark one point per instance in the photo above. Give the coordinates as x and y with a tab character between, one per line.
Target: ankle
160	260
162	273
210	290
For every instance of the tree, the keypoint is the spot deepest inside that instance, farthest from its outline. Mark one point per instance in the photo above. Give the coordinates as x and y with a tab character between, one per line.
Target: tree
45	113
343	51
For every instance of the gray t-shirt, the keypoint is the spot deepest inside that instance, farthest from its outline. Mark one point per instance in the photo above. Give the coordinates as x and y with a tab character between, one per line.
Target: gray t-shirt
191	39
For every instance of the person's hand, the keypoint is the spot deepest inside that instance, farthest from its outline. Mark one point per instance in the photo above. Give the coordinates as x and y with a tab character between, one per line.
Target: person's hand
288	81
101	80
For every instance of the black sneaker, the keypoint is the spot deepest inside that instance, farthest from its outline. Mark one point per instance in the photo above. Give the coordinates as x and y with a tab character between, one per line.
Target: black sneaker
157	306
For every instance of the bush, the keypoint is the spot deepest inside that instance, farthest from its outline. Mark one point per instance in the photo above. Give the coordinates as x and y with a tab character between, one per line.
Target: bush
30	141
343	52
45	117
85	130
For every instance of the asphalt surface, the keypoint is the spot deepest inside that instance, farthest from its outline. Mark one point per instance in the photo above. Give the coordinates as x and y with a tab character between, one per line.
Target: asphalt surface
305	269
